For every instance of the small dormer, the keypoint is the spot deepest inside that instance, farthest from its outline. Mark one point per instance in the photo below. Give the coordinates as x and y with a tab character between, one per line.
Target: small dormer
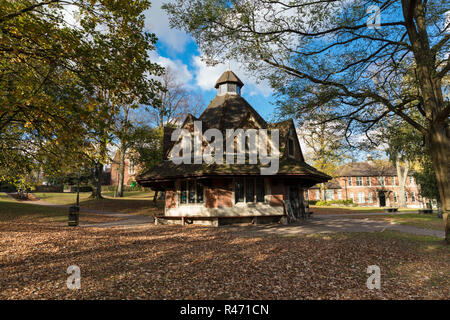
229	83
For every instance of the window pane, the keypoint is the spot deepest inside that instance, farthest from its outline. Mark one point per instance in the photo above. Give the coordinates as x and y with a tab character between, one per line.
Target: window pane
291	147
359	181
260	190
239	191
231	87
329	194
199	193
191	188
250	190
183	192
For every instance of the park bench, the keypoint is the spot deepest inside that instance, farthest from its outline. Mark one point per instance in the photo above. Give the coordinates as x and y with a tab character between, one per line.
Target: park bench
391	209
426	211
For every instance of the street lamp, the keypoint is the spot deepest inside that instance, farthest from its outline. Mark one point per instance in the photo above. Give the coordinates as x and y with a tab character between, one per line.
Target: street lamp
74	211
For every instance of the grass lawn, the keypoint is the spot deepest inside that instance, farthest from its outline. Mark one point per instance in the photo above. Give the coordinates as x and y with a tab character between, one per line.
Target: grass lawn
14	211
428	221
173	262
61	198
135	202
349	210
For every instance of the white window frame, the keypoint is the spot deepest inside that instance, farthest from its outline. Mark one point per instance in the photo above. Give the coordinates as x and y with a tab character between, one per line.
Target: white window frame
369	197
359	181
245	191
187	194
368	183
293	148
350	182
329	192
361	196
131	169
339	194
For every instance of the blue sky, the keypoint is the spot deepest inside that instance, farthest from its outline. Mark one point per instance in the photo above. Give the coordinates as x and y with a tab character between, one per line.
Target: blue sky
177	50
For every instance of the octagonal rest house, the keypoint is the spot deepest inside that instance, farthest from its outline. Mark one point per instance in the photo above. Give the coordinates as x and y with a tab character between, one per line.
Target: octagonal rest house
217	194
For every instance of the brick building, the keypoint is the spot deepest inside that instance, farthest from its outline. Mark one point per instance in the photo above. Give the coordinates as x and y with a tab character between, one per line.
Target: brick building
369	184
130	171
224	193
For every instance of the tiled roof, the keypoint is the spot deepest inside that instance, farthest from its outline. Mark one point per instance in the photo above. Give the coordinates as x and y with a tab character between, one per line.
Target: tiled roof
169	170
368	168
228	111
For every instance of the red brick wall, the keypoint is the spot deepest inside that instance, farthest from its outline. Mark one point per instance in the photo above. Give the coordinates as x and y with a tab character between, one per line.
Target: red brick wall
127	177
278	193
219	194
171	199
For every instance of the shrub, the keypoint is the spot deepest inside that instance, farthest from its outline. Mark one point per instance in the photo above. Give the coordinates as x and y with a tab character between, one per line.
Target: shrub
333	202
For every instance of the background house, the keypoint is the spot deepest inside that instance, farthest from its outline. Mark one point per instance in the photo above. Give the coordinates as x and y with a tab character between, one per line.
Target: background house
130	171
369	184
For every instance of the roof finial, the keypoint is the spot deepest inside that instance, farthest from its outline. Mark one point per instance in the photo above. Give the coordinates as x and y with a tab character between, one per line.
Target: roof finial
229	69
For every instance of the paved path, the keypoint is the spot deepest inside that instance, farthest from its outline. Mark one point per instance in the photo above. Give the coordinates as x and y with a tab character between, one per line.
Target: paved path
338	224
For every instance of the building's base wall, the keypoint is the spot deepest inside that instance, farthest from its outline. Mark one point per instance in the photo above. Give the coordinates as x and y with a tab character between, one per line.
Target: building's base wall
235	211
217	221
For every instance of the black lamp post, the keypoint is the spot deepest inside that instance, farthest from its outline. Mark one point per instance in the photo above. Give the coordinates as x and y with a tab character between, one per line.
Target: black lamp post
74	211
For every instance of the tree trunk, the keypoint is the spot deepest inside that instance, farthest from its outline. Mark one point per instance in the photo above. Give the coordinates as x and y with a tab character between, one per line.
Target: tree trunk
402	176
121	178
155	196
439	142
97	189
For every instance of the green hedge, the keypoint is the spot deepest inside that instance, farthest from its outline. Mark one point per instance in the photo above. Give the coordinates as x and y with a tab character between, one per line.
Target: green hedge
126	188
332	202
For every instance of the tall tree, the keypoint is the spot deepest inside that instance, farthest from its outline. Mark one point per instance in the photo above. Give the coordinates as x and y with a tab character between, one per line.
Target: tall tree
343	46
61	81
175	101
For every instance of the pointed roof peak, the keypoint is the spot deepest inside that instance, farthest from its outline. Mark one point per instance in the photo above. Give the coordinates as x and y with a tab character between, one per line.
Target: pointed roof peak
228	76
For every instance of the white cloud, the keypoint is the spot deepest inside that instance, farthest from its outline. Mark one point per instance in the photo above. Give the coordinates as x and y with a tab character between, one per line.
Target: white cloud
206	77
180	70
157	21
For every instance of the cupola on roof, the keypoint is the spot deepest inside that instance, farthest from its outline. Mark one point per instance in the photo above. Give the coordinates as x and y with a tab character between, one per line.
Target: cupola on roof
228	77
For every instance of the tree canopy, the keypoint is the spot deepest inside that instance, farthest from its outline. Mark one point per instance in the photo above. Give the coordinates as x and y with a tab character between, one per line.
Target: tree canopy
66	67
